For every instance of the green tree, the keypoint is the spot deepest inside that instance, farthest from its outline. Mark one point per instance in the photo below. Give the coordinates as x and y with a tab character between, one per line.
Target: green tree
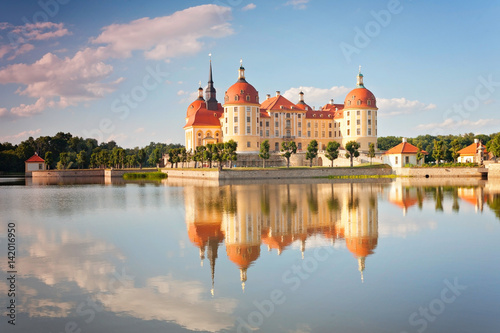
420	154
230	151
371	151
207	154
198	155
172	157
455	147
218	154
183	156
49	159
141	157
332	151
121	158
312	151
264	152
493	146
81	159
352	151
438	152
155	156
64	161
131	160
288	148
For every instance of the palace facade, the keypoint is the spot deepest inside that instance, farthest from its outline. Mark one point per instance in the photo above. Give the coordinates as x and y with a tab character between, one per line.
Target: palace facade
246	120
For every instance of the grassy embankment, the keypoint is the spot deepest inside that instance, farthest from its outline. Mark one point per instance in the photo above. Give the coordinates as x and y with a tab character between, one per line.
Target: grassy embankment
145	175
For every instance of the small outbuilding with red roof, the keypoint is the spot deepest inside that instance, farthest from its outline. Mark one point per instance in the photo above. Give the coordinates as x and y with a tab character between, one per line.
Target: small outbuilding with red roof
403	154
34	163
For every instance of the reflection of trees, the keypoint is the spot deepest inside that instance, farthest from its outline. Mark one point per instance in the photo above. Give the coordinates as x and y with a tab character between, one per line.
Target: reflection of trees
289	207
229	201
312	200
420	198
455	207
353	201
265	206
494	204
333	202
438	197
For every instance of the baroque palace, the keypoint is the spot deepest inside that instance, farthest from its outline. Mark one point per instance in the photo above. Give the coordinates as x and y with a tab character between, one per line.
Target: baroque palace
244	119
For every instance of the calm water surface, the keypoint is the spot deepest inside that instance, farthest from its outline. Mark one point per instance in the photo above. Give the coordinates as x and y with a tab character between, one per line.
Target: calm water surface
181	256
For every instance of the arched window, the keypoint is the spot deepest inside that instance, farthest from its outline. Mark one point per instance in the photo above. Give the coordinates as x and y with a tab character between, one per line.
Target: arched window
359	102
369	102
248	98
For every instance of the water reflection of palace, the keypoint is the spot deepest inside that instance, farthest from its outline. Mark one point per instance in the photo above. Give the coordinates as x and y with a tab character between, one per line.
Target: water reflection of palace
248	216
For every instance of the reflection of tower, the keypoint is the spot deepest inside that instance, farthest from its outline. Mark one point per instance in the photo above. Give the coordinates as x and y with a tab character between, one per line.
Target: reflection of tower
204	219
360	219
242	226
474	196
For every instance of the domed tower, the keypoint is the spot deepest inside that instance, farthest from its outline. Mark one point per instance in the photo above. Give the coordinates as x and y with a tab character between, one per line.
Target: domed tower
360	116
241	119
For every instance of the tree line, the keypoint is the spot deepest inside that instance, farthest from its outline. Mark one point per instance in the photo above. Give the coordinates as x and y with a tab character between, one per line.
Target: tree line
444	147
65	151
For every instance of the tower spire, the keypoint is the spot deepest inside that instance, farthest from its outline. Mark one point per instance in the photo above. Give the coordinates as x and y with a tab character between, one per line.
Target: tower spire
241	72
210	92
360	79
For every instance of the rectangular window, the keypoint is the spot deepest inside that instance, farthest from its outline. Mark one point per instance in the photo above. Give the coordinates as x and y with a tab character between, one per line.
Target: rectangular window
369	122
248	144
226	130
322	134
276	124
258	121
299	124
322	125
248	109
396	159
329	134
235	129
261	124
369	113
267	132
329	125
315	134
226	120
358	131
369	131
358	122
267	124
288	123
348	122
348	132
235	109
407	160
248	119
300	133
308	134
308	124
276	133
299	115
315	125
248	129
357	113
348	113
235	120
40	166
276	115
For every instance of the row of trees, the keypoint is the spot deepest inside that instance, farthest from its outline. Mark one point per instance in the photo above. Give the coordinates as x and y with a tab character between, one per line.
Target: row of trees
213	152
64	151
288	148
444	147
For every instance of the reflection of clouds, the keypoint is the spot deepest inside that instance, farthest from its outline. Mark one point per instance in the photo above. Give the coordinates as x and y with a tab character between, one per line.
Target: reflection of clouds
391	226
164	298
59	256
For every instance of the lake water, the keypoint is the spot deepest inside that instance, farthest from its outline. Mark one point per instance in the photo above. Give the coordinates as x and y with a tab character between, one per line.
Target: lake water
307	256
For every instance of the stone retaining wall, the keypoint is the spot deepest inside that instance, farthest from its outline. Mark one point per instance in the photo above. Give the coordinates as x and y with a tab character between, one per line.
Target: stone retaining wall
439	172
493	170
293	173
68	173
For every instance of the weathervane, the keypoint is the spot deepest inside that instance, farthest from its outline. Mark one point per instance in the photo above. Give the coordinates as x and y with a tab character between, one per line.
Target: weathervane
210	55
241	62
199	83
359	69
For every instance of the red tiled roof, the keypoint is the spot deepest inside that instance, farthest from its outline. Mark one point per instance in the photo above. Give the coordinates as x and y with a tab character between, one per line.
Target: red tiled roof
35	159
279	103
320	115
204	117
303	106
242	90
360	94
404	148
471	149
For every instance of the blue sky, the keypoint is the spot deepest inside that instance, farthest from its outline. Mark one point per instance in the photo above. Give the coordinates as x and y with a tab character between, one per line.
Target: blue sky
127	70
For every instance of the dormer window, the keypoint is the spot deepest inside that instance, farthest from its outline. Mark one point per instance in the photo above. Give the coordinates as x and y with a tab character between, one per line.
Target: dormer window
241	92
353	97
236	97
369	102
348	103
248	98
321	116
359	102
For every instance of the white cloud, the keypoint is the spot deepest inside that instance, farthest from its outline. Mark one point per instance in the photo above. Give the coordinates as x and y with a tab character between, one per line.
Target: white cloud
20	136
168	36
4	49
22	49
297	4
139	130
63	82
465	124
250	6
189	98
118	138
3	112
41	30
182	92
398	106
316	97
